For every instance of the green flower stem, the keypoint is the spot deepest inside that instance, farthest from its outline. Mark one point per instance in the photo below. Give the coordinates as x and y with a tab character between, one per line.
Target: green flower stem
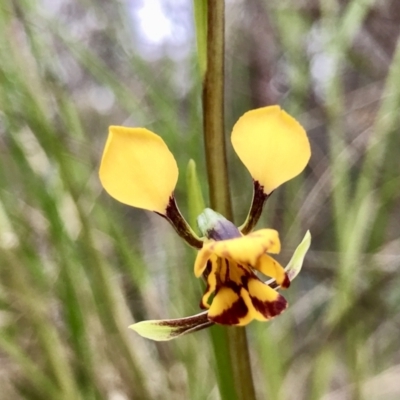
217	172
213	108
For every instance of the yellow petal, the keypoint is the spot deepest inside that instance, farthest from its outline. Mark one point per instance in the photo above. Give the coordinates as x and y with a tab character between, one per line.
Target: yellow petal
272	145
235	274
266	301
228	308
202	257
270	267
247	249
268	238
138	169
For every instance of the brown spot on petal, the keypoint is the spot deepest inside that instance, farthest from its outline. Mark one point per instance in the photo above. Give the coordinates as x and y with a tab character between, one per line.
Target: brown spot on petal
286	282
202	305
270	309
207	270
232	315
235	286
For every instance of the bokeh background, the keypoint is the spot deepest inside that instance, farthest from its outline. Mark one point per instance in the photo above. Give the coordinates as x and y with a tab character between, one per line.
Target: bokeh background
77	267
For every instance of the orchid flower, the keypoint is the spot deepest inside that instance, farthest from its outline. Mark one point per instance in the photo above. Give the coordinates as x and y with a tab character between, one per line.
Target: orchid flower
138	169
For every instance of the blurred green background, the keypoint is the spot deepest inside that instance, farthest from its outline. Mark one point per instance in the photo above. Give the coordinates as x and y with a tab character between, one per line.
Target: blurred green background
77	267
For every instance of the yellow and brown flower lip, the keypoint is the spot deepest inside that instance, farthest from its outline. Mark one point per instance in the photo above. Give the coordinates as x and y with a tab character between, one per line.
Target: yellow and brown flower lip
239	303
228	261
168	329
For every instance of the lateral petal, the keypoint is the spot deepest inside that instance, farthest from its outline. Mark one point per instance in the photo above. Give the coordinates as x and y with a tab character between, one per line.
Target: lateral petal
267	302
272	145
138	169
270	267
